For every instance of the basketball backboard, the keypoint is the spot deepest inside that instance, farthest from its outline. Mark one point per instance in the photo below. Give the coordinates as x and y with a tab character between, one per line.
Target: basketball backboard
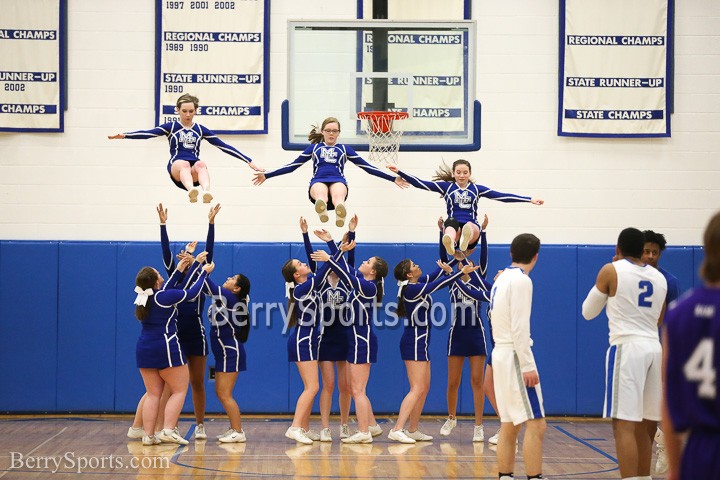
427	69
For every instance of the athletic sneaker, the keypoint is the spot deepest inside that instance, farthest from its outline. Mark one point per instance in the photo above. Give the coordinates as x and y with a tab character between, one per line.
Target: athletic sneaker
478	434
375	430
171	436
233	437
223	434
193	194
449	244
418	436
207	197
312	435
465	236
298	434
447	427
325	435
661	465
321	210
358	437
146	440
200	433
340	214
344	431
136	432
399	436
494	439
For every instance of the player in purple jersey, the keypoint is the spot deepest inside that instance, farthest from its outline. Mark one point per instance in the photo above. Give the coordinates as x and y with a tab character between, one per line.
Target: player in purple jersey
328	186
691	402
185	168
159	356
461	197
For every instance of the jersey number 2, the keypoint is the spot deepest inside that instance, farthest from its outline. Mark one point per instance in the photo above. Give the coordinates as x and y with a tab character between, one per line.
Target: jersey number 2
699	368
647	291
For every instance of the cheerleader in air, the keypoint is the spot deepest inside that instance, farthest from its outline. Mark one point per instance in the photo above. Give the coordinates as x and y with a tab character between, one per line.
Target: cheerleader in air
186	169
328	186
461	196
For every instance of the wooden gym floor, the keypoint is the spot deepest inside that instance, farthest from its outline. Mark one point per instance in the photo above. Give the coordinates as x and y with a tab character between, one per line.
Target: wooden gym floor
40	447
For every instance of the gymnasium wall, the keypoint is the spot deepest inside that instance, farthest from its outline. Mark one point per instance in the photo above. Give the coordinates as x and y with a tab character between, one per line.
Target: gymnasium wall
68	333
77	214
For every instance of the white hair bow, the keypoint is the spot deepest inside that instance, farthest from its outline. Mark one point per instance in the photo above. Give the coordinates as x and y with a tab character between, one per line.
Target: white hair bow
288	286
402	283
142	296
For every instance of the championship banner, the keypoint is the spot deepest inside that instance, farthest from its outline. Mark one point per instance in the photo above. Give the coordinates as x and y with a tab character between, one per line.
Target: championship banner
615	68
218	52
32	70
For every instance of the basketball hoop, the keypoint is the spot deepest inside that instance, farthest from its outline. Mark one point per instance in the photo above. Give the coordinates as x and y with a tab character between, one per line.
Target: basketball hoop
384	140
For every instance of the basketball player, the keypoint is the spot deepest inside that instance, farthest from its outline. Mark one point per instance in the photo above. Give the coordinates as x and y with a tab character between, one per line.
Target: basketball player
652	251
159	355
415	305
185	168
302	290
229	317
517	382
366	291
635	297
461	196
691	330
328	186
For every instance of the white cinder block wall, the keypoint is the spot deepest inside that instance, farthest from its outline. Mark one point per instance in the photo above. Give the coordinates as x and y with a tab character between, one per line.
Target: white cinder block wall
78	185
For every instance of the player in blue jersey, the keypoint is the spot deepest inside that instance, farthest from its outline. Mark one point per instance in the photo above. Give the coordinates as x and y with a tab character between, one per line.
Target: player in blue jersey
655	244
467	336
692	405
229	327
366	291
159	355
461	197
328	186
303	312
415	305
186	169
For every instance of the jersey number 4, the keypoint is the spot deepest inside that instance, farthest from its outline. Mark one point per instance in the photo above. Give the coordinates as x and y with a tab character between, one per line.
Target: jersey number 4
699	368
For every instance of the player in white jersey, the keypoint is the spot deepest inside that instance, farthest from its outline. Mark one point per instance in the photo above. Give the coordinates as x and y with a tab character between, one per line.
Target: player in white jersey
517	383
634	296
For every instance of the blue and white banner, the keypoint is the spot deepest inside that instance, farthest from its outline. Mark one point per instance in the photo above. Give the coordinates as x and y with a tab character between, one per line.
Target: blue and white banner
615	68
218	52
31	66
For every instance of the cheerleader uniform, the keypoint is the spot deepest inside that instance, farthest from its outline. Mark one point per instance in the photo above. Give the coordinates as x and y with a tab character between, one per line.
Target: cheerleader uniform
362	339
191	330
228	351
302	345
461	203
185	143
333	343
418	304
158	345
328	165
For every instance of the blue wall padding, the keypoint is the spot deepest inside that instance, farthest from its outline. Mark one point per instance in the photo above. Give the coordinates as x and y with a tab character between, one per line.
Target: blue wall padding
68	330
86	337
29	325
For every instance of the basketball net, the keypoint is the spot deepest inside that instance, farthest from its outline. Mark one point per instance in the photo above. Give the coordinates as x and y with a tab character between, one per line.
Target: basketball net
384	138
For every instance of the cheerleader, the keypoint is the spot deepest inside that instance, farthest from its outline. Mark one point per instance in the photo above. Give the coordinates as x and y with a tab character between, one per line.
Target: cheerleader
159	354
415	305
333	342
303	292
229	327
467	337
185	168
328	186
461	196
366	292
